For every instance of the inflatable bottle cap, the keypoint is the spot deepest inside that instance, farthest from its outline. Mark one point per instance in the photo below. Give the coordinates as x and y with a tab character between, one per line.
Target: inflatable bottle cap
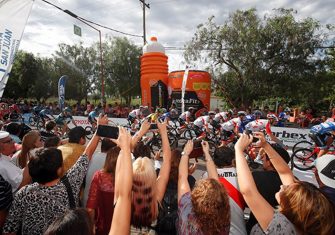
153	46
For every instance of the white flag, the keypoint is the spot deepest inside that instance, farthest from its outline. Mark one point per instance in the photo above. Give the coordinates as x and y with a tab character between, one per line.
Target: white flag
13	18
183	88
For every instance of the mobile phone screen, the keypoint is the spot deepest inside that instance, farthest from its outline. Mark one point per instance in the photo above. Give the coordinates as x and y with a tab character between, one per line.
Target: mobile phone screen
108	131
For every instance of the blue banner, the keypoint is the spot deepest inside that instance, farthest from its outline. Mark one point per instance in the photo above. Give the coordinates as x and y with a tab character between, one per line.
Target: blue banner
61	91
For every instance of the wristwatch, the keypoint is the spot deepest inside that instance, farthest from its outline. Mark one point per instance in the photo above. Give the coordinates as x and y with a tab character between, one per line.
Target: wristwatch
183	153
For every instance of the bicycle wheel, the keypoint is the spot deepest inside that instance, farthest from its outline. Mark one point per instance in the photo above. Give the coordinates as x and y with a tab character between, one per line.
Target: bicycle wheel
32	121
89	130
303	159
302	145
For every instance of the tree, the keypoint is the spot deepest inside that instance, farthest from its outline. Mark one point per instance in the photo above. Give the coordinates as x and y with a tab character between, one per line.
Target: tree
122	67
253	58
81	65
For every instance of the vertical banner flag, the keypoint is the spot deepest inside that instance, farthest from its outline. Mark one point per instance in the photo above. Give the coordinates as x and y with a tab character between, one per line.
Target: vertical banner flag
183	88
13	18
61	91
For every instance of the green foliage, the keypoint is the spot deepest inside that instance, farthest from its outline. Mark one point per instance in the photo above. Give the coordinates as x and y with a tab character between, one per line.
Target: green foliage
253	58
122	68
36	77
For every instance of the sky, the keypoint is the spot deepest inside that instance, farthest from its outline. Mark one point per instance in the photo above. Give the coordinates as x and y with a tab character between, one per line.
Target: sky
173	22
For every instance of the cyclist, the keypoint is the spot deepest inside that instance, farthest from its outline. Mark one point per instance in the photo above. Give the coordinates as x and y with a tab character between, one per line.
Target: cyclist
284	117
323	136
135	114
92	117
233	125
63	119
201	123
156	115
43	114
187	116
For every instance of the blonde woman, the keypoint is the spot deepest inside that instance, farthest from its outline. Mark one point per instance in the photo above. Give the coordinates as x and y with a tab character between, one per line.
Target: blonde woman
148	188
303	209
31	141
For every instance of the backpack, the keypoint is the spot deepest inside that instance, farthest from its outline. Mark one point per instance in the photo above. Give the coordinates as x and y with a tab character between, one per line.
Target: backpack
168	211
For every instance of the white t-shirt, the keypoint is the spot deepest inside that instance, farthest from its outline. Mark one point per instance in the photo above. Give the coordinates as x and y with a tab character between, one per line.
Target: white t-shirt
11	173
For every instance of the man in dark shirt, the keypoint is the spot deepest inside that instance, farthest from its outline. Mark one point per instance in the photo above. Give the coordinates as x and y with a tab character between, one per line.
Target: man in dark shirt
268	181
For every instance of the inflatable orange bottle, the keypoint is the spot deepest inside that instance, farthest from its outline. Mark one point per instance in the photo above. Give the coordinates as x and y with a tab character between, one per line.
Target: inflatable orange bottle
198	88
154	74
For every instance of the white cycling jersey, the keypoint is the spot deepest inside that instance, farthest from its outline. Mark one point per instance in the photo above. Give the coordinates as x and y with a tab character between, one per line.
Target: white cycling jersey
221	115
257	125
184	115
201	121
135	113
231	124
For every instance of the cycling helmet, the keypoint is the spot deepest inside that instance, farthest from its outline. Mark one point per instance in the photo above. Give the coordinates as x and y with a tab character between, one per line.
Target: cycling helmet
287	109
211	113
67	109
258	113
163	110
96	109
230	112
241	113
191	108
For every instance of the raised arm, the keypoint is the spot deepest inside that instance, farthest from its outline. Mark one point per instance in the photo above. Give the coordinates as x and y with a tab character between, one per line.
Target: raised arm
92	145
123	186
164	173
285	173
262	210
211	168
137	137
183	185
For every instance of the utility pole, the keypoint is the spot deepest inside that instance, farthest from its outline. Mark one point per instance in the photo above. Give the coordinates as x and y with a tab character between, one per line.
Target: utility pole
144	6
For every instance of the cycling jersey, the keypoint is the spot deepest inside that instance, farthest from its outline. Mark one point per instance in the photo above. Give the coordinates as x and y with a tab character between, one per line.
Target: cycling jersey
61	119
323	128
153	116
201	121
44	113
249	118
221	116
185	115
136	113
258	125
164	116
231	124
92	116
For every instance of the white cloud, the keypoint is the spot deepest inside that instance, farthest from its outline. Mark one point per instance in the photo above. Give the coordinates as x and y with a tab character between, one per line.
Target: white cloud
172	21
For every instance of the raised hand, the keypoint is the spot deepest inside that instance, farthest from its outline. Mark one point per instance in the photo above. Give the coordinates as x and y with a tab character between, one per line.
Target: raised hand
102	120
243	142
188	147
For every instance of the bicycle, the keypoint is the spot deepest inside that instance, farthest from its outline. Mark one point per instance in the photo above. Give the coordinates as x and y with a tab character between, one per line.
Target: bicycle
303	159
304	144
